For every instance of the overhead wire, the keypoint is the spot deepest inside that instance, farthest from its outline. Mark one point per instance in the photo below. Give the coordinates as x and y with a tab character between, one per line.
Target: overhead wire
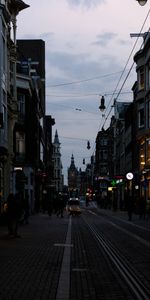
83	80
115	90
85	95
125	69
119	92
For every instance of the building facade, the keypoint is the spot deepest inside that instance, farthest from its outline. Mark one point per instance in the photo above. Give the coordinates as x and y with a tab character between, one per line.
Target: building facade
141	92
9	10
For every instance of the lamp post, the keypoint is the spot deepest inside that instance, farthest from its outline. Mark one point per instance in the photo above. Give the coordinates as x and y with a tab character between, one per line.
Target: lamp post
142	2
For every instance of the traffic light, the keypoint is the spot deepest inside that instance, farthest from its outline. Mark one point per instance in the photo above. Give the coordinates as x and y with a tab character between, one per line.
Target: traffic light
113	182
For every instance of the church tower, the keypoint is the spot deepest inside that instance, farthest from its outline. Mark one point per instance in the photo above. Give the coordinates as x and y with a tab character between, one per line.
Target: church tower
58	177
72	176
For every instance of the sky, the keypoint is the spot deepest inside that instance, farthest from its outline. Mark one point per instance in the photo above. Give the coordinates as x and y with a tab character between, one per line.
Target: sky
89	54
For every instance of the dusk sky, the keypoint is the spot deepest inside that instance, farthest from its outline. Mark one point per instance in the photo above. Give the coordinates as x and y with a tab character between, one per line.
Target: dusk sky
89	53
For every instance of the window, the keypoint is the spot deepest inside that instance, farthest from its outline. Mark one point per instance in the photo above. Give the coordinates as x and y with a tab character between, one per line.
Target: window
141	78
103	142
21	104
103	155
141	118
20	143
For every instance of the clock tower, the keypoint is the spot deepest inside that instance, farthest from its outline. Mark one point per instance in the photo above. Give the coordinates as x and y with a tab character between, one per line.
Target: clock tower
72	175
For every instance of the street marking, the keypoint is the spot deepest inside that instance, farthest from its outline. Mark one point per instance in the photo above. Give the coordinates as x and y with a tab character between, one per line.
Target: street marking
63	290
79	270
63	245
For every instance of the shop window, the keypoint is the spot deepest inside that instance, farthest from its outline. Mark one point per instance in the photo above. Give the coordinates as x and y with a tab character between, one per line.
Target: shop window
142	156
148	152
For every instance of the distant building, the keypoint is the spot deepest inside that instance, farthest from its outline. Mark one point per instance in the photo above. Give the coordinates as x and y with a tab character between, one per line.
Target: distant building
103	161
58	176
73	177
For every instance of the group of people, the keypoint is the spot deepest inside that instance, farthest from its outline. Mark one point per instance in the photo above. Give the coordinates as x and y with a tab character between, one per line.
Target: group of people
57	205
141	208
17	208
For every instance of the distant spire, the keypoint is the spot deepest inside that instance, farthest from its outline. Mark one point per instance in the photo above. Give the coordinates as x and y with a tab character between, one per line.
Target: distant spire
72	165
56	139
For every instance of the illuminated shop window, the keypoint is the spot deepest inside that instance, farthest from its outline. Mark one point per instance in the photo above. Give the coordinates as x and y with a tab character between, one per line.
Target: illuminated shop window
142	156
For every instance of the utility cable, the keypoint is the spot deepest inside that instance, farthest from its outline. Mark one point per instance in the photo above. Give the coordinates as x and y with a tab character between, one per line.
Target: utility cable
83	80
125	69
101	126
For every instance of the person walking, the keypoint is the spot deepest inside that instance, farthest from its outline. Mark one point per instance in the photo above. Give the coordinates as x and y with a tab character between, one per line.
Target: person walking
13	214
10	214
130	207
26	208
61	206
142	208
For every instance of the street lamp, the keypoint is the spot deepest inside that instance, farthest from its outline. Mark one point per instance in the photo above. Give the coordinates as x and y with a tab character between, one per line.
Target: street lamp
102	104
88	145
142	2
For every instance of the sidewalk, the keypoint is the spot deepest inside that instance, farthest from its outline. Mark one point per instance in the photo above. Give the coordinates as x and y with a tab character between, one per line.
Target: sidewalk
30	265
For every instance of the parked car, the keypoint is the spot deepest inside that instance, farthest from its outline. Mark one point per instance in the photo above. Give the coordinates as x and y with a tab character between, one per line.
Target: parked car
73	206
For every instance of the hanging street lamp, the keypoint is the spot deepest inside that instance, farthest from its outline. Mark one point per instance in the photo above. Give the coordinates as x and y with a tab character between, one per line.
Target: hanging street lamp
88	145
102	104
142	2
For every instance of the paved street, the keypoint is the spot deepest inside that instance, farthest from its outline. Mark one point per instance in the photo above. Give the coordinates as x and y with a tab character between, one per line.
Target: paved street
64	258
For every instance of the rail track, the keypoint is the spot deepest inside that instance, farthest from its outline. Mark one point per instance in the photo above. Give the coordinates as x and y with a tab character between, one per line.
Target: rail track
131	277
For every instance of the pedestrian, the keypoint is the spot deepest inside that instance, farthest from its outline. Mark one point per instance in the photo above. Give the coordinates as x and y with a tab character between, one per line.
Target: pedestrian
130	207
142	207
50	207
26	209
13	214
61	206
87	201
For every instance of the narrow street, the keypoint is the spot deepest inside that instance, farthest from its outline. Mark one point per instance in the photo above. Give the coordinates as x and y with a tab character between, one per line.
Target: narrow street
98	255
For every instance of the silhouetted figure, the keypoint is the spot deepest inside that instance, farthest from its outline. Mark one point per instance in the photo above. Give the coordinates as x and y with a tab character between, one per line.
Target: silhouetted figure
50	207
87	201
13	214
130	207
142	208
61	206
26	209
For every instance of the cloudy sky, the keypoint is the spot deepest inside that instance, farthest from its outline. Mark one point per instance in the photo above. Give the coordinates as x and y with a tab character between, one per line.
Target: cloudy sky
89	53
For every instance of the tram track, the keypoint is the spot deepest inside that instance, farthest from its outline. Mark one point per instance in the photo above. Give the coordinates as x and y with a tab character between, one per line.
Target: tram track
131	277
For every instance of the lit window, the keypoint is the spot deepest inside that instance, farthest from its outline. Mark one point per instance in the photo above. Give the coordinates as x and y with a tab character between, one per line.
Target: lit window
142	156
